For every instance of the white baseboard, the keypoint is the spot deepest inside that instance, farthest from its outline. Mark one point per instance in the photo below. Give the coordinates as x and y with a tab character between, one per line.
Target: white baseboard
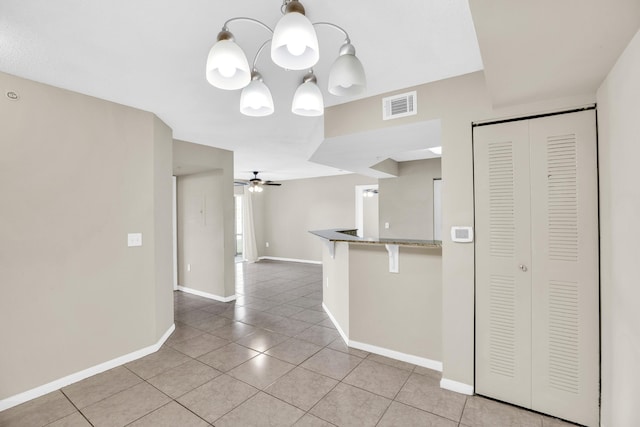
305	261
17	399
404	357
456	386
416	360
344	336
206	294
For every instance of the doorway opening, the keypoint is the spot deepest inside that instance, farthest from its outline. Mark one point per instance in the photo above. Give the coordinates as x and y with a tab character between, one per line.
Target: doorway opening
367	211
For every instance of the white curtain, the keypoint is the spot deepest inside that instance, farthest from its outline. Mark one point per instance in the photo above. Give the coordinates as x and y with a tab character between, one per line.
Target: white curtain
249	235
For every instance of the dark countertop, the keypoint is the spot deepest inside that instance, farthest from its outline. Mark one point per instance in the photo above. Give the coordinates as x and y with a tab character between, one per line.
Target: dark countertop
349	235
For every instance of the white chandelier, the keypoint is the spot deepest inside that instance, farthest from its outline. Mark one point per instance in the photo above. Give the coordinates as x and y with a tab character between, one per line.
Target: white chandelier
294	46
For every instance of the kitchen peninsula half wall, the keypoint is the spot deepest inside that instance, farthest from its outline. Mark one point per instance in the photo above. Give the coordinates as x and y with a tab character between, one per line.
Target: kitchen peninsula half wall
385	295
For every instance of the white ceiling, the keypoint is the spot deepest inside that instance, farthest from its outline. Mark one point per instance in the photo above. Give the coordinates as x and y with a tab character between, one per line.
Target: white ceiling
150	54
358	152
543	49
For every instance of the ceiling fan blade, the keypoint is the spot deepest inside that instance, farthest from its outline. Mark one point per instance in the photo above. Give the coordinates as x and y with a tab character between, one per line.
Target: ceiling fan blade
257	181
240	182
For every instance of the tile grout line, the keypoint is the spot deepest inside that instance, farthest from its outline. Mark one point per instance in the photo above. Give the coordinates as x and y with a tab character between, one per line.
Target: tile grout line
230	376
240	404
466	399
413	371
334	387
308	370
77	409
106	397
420	409
148	413
174	400
321	399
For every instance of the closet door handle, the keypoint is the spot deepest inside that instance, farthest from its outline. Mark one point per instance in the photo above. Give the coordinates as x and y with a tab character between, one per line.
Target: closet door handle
523	267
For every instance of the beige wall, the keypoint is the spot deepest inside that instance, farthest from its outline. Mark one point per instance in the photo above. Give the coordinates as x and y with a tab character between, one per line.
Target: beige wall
397	311
205	206
619	151
401	311
285	214
163	223
335	283
200	238
406	202
457	102
76	175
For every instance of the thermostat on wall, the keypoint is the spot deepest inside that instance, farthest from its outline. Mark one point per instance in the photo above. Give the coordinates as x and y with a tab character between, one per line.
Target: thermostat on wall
462	234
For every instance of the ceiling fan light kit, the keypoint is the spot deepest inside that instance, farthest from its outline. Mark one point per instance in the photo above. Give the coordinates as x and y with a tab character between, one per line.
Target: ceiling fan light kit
294	46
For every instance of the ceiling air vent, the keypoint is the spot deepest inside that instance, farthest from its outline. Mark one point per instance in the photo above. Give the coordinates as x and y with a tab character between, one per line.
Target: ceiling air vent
396	106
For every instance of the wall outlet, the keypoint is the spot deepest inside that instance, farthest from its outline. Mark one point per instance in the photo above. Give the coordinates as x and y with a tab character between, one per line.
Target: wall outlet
386	225
267	244
134	239
327	282
188	267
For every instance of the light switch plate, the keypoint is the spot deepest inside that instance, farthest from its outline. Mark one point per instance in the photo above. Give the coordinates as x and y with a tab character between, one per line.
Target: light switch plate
134	239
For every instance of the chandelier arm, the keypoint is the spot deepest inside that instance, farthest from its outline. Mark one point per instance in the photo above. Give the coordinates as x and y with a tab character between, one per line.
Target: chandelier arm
337	27
244	18
255	58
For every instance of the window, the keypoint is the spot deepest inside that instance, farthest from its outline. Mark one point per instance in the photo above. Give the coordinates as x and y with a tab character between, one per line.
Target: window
239	228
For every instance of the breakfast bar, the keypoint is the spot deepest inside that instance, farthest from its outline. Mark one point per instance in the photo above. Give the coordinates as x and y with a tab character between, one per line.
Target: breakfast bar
385	295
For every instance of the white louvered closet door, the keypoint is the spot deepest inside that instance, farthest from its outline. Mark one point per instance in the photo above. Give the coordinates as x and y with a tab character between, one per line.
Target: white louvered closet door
537	307
565	298
503	290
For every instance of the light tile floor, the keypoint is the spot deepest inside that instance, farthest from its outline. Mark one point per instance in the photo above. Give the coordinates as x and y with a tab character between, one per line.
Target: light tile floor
271	358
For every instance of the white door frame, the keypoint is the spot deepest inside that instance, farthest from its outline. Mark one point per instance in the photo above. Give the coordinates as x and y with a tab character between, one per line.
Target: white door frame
360	189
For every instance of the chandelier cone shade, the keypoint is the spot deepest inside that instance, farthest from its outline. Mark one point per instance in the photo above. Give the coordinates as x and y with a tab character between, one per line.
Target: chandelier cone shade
256	99
227	65
308	101
347	77
294	46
